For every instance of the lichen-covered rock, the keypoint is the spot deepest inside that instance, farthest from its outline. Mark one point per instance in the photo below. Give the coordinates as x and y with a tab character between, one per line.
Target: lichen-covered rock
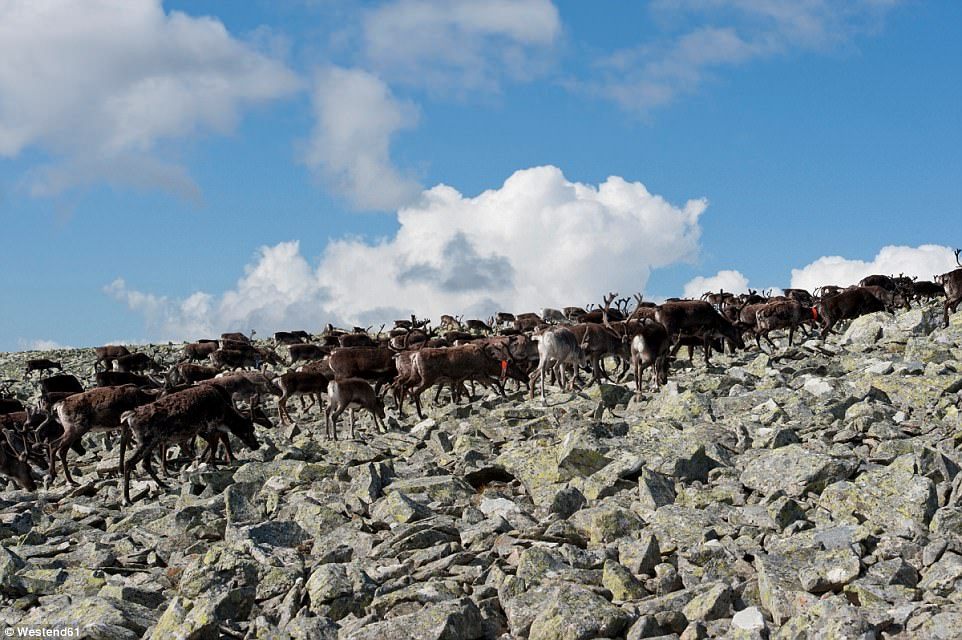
606	523
712	604
452	620
894	498
443	489
655	490
827	619
575	613
829	570
865	330
795	470
640	554
397	507
337	590
94	617
621	583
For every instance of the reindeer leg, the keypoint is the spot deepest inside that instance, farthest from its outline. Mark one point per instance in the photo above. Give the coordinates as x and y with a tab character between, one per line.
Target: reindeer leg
52	450
149	467
62	450
351	414
225	439
769	340
163	460
142	449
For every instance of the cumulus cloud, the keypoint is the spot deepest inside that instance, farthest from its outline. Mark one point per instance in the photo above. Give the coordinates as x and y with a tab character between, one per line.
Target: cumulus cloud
538	240
279	288
702	37
726	280
98	85
923	262
355	117
451	46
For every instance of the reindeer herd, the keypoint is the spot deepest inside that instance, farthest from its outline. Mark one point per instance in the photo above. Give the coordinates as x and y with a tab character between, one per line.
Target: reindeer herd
217	386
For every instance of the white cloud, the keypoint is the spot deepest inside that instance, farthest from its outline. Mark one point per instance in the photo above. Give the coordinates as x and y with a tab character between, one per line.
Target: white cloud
538	240
41	345
450	46
97	85
727	280
356	116
717	34
279	289
923	261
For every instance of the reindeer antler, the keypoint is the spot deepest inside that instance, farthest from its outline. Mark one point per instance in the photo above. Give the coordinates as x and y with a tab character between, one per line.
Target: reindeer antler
957	252
608	300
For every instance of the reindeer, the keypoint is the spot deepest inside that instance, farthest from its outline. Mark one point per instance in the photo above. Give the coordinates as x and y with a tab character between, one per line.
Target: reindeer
650	347
370	363
927	290
480	326
604	313
43	365
351	393
176	418
802	296
200	350
187	373
10	405
356	340
99	409
55	388
528	322
119	378
238	337
453	323
307	352
245	385
557	347
952	284
108	354
827	291
136	362
291	337
479	361
699	318
787	314
15	467
300	383
553	316
846	305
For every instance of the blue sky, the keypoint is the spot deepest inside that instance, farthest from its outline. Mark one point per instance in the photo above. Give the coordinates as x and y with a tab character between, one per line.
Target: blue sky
204	166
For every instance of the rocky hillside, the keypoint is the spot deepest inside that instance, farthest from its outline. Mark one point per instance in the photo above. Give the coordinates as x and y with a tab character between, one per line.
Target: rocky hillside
814	493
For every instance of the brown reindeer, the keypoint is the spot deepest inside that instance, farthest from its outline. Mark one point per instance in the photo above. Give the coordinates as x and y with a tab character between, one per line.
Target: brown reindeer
108	354
43	365
846	305
179	417
650	347
95	410
300	383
